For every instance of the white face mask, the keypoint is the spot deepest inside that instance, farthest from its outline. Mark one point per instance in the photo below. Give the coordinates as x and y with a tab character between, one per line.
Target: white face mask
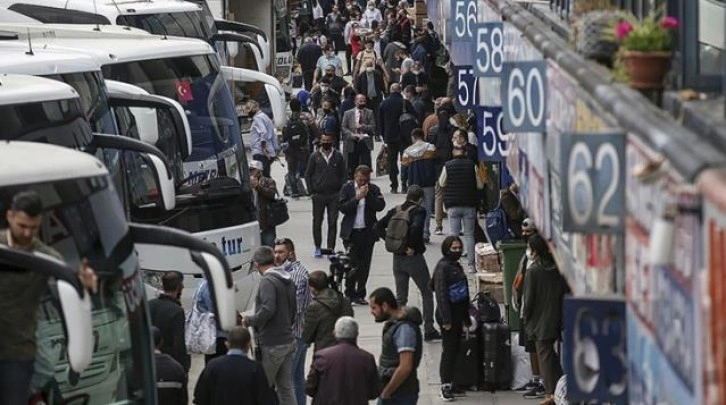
369	69
324	88
371	8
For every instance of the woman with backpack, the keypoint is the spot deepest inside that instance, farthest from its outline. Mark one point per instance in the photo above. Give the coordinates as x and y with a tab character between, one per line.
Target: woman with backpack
451	291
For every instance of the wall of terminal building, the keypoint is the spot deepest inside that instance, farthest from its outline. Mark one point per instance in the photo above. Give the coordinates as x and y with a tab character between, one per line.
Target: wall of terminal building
648	293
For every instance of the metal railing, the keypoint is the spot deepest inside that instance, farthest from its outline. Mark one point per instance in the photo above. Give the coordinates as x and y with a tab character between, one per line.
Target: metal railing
639	8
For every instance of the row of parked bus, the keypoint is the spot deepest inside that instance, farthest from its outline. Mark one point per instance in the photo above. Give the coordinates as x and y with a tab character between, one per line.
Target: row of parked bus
123	117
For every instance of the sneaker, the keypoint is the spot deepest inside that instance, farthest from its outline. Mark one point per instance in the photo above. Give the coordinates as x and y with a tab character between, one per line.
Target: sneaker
446	394
432	335
458	391
439	231
526	387
536	392
360	301
318	253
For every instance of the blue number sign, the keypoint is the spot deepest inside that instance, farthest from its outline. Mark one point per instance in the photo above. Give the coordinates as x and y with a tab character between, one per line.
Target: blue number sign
595	349
524	87
489	49
463	14
466	91
593	182
492	140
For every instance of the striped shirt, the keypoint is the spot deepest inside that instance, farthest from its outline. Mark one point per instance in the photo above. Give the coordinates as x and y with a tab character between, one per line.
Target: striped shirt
302	293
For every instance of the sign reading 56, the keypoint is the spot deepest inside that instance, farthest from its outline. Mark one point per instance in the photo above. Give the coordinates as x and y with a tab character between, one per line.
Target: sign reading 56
466	87
489	49
593	182
464	14
491	138
524	86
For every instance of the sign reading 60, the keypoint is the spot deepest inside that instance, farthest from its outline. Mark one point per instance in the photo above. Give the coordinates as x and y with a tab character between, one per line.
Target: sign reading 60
593	180
524	86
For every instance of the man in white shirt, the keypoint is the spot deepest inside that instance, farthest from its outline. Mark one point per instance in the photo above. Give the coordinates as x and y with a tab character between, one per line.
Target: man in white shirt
263	140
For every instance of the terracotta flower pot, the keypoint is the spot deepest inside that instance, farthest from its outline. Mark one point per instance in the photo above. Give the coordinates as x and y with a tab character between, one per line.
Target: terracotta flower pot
647	69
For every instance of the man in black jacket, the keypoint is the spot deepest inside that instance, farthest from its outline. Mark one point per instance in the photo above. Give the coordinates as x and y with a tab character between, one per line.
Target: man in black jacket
388	121
234	379
308	56
359	201
411	264
171	378
325	175
167	314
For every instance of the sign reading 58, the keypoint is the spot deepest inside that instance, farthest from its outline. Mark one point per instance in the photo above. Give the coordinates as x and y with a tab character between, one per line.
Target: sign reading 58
464	14
593	182
492	139
489	49
524	86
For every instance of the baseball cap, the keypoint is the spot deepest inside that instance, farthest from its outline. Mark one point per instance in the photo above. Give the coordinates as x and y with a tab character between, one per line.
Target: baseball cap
256	164
528	225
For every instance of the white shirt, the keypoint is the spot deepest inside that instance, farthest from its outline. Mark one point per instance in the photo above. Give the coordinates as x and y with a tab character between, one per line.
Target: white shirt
360	216
326	156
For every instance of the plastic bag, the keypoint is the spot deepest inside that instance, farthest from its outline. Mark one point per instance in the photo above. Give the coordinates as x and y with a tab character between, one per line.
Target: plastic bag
521	365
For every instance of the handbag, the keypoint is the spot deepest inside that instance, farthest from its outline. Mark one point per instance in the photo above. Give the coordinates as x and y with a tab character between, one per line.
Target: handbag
382	162
277	213
200	330
459	292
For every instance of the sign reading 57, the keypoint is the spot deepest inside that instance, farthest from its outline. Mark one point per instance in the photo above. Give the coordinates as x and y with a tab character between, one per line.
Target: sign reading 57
464	14
593	182
524	86
466	90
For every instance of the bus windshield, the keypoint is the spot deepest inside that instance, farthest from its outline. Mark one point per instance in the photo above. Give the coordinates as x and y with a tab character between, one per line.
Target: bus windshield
191	24
195	82
83	218
60	122
94	99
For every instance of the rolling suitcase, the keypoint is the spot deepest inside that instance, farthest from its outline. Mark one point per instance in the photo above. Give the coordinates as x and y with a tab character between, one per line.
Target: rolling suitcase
496	356
467	370
294	186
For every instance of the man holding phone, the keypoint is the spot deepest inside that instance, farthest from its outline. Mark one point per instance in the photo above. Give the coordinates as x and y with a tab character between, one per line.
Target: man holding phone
359	201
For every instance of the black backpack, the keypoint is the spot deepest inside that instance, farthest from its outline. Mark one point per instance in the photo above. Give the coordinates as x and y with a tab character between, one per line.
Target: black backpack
296	133
487	308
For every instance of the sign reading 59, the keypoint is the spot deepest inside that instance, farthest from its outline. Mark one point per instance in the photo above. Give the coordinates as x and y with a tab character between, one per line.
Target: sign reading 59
491	138
464	14
524	86
593	182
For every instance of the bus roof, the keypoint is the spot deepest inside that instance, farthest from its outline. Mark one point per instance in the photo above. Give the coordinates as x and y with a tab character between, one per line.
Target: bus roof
15	58
109	9
57	163
22	89
108	44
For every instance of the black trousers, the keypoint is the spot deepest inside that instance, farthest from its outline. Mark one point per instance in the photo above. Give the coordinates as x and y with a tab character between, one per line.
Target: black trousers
266	164
321	203
549	364
349	58
360	155
308	78
221	350
450	345
361	251
394	150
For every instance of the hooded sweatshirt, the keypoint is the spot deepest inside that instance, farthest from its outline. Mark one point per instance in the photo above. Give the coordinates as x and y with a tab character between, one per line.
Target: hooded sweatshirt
419	161
275	307
544	292
321	315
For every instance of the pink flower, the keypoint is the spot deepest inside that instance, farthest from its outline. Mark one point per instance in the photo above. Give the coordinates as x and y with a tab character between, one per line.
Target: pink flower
623	29
669	23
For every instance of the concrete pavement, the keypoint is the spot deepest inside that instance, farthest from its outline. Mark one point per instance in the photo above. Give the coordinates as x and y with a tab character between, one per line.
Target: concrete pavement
299	229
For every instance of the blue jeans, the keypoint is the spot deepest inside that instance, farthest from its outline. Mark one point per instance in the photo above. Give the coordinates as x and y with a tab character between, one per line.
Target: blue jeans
467	217
298	370
429	198
15	378
408	399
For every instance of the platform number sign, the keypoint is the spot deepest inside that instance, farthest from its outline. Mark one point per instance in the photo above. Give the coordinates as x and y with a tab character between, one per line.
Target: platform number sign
466	90
593	182
489	56
491	138
464	14
524	87
595	356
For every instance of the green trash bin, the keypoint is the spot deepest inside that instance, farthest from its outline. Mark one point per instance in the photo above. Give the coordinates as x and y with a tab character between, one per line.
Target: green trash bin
511	253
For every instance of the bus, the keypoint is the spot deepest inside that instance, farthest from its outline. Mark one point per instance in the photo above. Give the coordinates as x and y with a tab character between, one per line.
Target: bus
85	219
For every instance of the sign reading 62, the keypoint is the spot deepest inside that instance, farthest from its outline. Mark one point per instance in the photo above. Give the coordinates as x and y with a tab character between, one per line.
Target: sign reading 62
593	182
464	14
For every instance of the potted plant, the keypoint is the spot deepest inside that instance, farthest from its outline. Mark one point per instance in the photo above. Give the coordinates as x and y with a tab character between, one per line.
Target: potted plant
646	47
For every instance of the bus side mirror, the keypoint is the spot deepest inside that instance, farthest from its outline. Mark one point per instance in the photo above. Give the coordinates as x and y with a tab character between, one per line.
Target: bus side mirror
223	295
166	189
79	326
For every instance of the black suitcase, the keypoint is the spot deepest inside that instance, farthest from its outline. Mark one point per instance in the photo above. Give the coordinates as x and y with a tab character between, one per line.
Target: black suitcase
496	356
468	361
294	186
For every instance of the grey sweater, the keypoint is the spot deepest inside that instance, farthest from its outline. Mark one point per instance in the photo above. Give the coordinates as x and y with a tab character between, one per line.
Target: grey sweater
275	308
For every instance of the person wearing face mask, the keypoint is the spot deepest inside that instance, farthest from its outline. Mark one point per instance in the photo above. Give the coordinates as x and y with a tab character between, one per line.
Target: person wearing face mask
460	140
460	181
167	314
308	56
264	190
334	23
347	31
358	130
329	58
321	92
337	83
451	290
415	77
542	303
365	56
371	84
329	121
513	208
392	59
534	388
325	175
401	29
371	14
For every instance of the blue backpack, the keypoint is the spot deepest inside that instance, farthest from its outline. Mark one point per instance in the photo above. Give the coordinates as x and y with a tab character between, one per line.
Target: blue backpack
496	226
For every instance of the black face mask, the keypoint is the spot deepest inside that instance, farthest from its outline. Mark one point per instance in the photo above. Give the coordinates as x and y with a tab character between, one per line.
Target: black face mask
329	75
326	146
361	106
326	110
455	256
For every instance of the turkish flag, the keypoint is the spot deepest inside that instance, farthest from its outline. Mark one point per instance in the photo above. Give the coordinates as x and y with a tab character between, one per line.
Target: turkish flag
184	91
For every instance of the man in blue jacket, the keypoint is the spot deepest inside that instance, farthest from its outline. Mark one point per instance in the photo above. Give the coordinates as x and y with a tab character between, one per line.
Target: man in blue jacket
419	164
